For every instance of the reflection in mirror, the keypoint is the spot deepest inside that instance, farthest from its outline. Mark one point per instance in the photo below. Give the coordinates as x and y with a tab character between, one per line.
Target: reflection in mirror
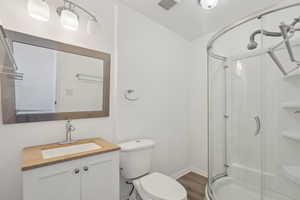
57	81
60	81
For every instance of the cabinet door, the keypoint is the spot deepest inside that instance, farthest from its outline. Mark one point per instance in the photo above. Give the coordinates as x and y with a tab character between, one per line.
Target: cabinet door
54	182
100	177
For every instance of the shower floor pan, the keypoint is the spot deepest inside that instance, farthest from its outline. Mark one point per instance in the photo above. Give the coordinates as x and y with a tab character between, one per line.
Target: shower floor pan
229	189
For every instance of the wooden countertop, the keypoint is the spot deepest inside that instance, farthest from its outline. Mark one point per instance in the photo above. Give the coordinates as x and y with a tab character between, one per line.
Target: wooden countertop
32	156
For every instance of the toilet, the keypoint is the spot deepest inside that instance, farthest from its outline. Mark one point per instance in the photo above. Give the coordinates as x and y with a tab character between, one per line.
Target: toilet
135	162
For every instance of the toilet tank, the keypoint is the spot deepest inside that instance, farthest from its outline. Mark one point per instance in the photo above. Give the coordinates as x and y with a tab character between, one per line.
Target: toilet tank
136	158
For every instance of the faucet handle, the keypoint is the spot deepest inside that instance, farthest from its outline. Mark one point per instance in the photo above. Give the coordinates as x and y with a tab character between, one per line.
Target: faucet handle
68	121
69	125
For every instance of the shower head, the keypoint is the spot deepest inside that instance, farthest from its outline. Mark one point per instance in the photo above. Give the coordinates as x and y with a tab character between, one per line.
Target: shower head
252	45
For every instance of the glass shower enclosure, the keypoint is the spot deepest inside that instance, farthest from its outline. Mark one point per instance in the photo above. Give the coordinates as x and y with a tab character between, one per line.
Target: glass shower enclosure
254	107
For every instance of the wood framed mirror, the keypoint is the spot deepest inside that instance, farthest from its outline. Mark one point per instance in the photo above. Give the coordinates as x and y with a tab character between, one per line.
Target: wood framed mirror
61	81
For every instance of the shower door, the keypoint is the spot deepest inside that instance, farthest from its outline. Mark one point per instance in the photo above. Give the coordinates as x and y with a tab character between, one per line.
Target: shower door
235	128
245	124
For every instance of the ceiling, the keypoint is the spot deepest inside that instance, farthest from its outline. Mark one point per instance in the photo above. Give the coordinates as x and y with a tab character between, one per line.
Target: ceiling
191	21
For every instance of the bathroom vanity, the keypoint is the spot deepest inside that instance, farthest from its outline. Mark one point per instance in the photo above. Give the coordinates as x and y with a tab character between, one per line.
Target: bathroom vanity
84	170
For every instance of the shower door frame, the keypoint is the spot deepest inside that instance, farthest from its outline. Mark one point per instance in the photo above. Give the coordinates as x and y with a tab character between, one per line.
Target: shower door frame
211	178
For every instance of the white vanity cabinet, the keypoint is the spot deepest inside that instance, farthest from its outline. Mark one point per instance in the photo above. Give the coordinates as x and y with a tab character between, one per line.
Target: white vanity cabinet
89	178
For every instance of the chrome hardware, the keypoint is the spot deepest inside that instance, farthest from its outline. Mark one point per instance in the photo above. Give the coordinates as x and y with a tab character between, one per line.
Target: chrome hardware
258	125
11	70
76	171
70	5
86	168
86	77
69	129
127	95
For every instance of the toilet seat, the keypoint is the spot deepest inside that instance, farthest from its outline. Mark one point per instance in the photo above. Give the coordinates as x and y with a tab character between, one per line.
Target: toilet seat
157	186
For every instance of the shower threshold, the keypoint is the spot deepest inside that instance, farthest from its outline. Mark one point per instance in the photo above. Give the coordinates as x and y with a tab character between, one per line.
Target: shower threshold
229	189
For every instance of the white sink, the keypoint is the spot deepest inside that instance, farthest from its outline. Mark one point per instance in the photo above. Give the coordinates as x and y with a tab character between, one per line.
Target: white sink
73	149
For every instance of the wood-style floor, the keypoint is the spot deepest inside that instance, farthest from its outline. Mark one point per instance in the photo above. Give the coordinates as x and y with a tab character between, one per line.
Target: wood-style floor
195	185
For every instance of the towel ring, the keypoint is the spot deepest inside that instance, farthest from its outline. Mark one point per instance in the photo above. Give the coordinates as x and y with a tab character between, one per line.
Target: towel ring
128	93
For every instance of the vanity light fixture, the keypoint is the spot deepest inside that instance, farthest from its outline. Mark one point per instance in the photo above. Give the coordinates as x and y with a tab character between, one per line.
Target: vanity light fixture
69	14
69	19
38	9
208	4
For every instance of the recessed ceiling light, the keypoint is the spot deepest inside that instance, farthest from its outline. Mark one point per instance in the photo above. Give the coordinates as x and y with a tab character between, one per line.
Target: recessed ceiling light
208	4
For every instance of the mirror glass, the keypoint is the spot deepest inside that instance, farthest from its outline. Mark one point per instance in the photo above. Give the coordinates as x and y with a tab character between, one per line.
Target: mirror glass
57	81
60	81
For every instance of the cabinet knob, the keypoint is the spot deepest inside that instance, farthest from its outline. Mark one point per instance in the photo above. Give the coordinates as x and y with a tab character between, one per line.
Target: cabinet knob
86	168
76	171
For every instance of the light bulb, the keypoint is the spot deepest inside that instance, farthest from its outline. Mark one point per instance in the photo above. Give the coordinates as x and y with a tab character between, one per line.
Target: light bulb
69	20
209	4
38	9
92	26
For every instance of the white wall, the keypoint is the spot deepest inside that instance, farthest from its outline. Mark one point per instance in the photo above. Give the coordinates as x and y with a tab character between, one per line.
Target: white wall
147	57
198	107
155	62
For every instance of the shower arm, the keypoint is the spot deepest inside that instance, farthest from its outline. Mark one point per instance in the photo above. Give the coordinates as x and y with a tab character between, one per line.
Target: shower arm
253	44
289	28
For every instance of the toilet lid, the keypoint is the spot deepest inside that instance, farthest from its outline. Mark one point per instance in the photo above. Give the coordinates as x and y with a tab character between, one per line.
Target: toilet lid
162	187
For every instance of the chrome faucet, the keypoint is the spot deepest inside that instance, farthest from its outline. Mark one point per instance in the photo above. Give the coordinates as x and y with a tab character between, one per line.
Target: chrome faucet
69	129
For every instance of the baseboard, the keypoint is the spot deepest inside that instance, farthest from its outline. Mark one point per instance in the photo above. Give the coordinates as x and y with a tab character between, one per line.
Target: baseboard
199	171
187	170
181	173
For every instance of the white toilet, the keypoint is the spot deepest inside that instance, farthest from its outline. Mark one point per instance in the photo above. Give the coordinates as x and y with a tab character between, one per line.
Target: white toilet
136	157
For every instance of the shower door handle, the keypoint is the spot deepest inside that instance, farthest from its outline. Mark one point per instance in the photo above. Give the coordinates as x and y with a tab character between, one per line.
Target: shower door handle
258	125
